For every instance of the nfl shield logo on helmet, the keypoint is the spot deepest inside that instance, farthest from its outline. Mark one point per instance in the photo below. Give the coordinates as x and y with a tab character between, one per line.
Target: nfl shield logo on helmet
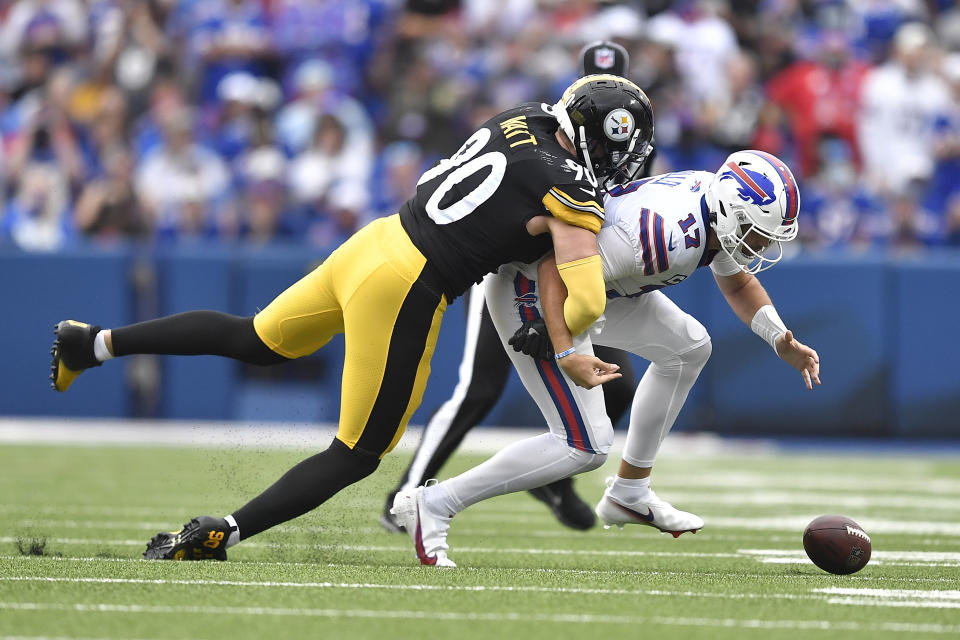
604	58
618	125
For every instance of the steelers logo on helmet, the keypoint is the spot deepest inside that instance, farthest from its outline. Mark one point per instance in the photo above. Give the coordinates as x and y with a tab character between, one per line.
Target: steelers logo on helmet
618	125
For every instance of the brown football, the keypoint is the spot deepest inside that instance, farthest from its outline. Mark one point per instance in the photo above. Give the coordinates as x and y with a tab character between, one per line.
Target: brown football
837	544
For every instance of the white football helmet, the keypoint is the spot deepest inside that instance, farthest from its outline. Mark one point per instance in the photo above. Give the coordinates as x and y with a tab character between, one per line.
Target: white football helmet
754	194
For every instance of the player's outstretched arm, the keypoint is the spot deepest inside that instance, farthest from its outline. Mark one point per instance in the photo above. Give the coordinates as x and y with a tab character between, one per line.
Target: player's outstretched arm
800	357
749	300
585	370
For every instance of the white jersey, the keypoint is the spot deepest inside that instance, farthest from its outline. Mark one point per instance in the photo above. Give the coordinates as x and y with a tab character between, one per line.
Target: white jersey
655	234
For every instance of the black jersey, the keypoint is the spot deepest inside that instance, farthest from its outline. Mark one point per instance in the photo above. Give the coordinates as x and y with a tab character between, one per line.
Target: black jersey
470	211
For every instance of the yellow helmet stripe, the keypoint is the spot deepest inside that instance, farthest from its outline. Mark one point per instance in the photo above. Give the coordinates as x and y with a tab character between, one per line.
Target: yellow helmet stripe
599	76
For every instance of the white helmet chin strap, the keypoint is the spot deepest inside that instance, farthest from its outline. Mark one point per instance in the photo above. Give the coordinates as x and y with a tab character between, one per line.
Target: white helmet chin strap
586	155
566	125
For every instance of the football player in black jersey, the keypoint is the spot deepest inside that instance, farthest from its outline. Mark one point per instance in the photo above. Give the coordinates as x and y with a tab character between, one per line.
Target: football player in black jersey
484	370
528	181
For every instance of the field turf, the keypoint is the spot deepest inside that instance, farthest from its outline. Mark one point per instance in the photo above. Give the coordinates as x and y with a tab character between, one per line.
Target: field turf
74	521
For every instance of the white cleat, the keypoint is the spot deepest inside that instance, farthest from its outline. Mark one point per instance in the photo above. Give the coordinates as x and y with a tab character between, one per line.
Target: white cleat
428	532
651	511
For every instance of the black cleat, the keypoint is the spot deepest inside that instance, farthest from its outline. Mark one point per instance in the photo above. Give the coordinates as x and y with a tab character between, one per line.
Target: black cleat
389	521
203	538
72	352
565	504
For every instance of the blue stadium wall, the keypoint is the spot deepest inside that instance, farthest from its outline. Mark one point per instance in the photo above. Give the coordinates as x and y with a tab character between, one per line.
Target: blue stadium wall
883	329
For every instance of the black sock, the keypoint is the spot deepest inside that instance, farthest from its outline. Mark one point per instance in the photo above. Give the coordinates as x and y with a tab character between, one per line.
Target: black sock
305	487
196	333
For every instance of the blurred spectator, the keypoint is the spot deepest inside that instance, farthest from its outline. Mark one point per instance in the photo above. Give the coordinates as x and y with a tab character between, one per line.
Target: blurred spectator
129	42
109	206
107	129
400	166
263	208
902	102
227	36
733	118
244	99
703	43
36	217
166	98
47	135
181	183
331	161
345	33
56	26
821	98
944	193
838	210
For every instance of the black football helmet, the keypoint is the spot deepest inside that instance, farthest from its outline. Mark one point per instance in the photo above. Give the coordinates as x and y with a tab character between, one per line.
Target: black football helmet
610	121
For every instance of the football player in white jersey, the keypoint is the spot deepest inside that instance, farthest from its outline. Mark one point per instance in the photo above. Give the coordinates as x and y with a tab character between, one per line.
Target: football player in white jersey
657	231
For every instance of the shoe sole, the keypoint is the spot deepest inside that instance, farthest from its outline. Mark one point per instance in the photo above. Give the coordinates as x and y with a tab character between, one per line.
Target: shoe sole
609	521
60	376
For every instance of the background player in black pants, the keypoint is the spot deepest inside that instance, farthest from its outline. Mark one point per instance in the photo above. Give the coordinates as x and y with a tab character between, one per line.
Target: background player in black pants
485	368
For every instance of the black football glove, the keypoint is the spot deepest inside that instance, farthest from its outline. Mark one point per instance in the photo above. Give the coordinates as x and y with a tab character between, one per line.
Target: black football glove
532	339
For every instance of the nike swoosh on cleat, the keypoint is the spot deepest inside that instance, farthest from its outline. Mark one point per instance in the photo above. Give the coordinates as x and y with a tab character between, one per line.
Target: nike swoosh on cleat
421	552
642	516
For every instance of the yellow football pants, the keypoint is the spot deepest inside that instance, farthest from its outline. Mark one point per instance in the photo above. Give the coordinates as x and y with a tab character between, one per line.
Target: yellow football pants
378	290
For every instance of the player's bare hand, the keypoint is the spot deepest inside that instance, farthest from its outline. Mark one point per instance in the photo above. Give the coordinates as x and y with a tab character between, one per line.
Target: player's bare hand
800	357
588	371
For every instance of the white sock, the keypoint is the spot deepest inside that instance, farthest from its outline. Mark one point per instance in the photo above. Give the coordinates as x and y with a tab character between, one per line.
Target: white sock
523	465
234	531
630	489
100	350
439	502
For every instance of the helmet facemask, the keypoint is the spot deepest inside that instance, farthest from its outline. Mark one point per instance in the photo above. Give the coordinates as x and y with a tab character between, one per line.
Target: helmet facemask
627	166
750	245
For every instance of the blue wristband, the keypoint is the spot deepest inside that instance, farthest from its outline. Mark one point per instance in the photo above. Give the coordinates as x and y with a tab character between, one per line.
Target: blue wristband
564	354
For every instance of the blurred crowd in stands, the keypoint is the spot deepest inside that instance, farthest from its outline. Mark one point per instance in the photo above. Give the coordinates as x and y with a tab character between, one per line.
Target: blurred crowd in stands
255	121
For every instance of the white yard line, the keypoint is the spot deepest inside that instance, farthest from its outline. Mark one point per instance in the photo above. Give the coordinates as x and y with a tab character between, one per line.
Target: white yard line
913	598
418	587
865	481
787	556
497	617
585	572
911	556
63	638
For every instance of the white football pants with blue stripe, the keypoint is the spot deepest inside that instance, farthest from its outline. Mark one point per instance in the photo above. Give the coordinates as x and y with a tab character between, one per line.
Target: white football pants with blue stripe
651	326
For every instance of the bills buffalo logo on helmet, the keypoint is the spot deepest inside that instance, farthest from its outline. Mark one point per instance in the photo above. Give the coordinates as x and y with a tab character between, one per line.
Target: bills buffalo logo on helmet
526	300
604	58
755	187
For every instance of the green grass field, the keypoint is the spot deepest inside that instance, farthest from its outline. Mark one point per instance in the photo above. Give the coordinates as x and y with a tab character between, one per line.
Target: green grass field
336	574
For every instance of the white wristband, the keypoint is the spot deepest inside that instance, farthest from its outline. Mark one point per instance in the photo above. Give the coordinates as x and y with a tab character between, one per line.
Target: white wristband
768	325
564	354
